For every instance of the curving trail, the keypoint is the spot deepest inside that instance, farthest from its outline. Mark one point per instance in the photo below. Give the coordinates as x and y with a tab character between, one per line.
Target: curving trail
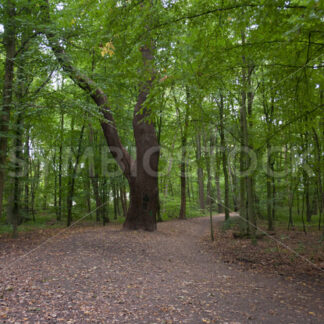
105	275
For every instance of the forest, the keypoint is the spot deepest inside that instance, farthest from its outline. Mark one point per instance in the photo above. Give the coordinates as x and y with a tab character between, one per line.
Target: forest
156	115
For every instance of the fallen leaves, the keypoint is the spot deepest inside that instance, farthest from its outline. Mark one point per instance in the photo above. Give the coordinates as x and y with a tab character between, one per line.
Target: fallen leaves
103	275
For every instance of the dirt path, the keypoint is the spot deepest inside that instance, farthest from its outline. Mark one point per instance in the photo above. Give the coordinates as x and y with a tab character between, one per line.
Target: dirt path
105	275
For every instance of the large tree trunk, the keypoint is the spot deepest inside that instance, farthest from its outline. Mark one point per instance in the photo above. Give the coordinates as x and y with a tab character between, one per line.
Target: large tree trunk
143	179
9	40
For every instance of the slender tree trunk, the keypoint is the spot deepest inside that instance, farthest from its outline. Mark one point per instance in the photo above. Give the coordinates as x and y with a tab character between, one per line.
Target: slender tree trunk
16	208
16	212
320	194
27	162
269	191
302	212
234	189
291	195
115	201
71	183
208	168
167	178
243	181
94	177
184	135
224	157
105	215
273	200
200	173
34	187
46	175
123	200
60	197
9	41
55	182
88	193
246	143
307	200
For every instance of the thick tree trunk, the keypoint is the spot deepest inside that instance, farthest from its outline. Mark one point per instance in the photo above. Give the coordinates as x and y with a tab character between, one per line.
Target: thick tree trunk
143	180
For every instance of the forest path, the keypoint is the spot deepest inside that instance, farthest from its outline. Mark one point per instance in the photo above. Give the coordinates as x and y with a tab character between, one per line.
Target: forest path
105	275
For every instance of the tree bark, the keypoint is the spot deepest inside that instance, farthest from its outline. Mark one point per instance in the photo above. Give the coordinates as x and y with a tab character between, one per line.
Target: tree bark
72	177
224	157
93	174
9	40
320	194
200	173
59	212
184	135
27	161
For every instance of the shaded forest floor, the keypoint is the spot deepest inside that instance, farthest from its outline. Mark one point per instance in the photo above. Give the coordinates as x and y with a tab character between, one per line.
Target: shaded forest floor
175	275
273	253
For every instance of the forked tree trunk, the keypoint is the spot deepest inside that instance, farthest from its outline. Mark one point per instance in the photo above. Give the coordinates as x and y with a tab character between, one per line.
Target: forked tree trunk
141	173
143	179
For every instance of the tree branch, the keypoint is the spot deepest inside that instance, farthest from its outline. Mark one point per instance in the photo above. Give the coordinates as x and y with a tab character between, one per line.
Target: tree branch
99	97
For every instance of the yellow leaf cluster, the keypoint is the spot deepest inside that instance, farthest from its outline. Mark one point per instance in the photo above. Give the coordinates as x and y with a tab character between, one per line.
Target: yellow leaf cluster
108	48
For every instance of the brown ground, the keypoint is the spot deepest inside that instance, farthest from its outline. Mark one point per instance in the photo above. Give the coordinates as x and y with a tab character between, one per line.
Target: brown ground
272	253
105	275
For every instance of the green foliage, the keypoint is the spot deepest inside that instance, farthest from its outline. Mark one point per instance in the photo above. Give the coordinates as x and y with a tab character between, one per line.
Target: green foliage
201	51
